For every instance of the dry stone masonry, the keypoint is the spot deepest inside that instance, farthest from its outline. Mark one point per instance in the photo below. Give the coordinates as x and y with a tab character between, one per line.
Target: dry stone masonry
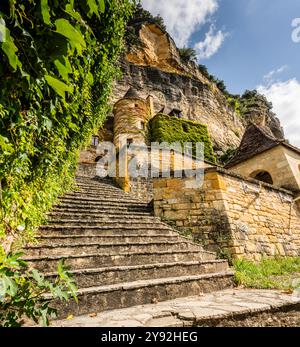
230	214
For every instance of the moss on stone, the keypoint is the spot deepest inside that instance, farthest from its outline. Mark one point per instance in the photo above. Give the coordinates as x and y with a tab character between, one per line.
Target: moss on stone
165	128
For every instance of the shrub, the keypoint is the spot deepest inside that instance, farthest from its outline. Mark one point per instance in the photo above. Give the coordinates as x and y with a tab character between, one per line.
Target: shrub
188	54
22	292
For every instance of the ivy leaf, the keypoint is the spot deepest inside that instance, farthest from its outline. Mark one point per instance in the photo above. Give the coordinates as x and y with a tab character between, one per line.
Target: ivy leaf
70	10
101	5
64	68
5	147
65	28
10	49
93	5
45	12
58	86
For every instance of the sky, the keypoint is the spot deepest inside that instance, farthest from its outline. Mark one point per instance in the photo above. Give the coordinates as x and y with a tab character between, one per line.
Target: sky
250	44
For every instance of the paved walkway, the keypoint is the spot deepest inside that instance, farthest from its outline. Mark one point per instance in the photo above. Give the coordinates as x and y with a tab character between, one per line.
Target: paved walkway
191	311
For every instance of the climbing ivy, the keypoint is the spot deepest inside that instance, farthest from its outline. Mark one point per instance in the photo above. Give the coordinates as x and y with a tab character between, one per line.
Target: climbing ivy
165	128
56	65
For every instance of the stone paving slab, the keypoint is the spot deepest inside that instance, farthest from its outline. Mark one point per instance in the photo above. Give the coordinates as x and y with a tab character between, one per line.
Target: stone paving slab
191	311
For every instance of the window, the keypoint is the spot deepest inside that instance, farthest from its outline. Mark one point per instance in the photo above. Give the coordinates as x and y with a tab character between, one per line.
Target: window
142	125
129	142
262	176
95	140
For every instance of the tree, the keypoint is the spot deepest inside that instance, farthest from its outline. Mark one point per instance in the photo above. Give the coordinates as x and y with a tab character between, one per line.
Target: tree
188	54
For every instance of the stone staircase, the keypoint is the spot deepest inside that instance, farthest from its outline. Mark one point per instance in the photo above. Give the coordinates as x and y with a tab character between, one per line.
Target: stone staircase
119	253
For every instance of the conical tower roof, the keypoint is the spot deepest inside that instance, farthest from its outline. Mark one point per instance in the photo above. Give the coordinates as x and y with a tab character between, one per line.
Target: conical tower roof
132	94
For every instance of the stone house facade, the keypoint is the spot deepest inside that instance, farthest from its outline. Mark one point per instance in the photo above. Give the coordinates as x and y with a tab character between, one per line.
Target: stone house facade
249	209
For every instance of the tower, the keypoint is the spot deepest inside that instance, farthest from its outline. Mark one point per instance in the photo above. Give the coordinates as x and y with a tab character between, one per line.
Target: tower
131	114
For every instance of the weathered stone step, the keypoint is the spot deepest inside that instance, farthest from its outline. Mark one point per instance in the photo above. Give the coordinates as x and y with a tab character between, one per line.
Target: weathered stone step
97	218
100	204
49	263
84	239
99	186
112	275
103	231
102	200
97	299
71	214
101	196
101	193
104	209
106	223
119	247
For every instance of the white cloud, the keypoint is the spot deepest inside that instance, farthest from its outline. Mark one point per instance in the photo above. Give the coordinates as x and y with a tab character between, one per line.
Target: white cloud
285	97
270	78
211	44
185	17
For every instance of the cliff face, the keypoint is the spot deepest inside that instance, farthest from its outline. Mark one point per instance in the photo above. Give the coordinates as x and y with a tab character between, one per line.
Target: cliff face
153	66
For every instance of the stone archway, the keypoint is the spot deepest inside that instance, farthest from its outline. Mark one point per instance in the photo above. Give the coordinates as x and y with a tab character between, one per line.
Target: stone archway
263	176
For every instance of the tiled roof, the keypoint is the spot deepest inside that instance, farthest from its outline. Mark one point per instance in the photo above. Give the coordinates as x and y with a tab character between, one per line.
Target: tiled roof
257	139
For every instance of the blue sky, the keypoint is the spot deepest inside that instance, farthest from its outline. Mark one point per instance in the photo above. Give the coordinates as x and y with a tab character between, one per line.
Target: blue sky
247	43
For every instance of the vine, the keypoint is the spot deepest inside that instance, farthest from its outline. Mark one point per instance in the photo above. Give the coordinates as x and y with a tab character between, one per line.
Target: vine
56	65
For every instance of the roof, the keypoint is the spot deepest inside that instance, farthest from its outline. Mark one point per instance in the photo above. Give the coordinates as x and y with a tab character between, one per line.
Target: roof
132	94
257	139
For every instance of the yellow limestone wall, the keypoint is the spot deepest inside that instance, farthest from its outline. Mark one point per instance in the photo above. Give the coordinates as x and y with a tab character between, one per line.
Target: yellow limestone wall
231	214
281	163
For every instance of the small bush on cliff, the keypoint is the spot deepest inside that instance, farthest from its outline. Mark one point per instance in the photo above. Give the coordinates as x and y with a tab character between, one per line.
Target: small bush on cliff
188	54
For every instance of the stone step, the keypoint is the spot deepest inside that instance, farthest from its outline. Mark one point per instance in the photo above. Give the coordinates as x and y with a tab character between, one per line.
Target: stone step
104	209
102	193
106	223
112	275
97	218
99	186
103	231
49	263
78	249
84	239
98	299
72	214
101	203
102	197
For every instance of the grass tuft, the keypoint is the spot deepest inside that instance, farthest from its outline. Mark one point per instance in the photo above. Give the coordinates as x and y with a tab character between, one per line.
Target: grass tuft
281	273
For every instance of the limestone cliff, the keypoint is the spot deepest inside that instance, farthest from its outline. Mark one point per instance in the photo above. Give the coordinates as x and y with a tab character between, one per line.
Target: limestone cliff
153	66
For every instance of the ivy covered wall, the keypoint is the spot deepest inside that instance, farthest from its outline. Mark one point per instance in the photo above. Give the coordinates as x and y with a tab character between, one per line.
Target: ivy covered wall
56	65
165	128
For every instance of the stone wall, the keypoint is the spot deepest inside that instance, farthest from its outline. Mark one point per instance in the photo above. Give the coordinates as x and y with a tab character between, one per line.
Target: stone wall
229	214
280	162
142	188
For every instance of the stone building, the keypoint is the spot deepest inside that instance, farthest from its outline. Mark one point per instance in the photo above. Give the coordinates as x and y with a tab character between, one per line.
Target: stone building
266	158
248	209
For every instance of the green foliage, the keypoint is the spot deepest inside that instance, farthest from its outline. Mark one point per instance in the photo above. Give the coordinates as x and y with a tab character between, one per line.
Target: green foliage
23	292
56	67
187	54
234	103
227	155
140	15
269	273
170	129
252	100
